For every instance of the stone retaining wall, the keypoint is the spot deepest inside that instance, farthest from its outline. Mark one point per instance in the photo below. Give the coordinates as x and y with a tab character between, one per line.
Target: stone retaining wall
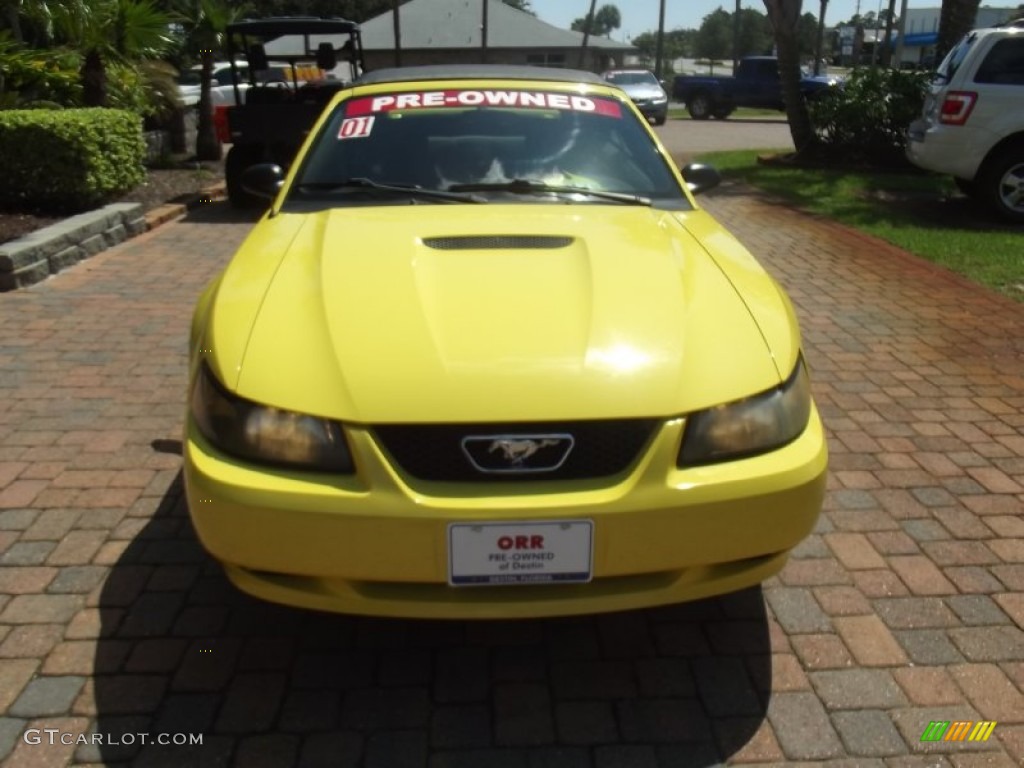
47	251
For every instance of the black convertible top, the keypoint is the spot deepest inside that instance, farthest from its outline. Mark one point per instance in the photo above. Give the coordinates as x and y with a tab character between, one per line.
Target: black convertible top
475	71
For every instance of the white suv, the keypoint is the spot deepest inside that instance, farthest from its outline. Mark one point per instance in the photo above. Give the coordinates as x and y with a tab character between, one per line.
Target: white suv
972	126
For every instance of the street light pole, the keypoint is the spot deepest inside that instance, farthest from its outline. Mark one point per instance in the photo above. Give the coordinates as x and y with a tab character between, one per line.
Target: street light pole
736	38
660	47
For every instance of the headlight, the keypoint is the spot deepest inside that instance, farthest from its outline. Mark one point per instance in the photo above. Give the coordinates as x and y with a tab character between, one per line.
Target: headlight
660	99
746	427
266	435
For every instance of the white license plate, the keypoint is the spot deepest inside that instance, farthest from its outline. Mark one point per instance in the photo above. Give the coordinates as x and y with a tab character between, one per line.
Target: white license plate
556	551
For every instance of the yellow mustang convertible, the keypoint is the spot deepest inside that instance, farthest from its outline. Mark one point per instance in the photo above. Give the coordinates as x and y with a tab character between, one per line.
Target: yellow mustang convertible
485	358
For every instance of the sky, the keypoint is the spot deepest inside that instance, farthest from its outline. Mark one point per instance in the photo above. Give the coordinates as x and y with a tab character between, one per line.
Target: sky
642	15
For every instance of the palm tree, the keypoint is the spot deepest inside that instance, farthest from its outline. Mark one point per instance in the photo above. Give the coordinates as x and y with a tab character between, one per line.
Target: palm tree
126	30
587	24
206	23
10	18
785	17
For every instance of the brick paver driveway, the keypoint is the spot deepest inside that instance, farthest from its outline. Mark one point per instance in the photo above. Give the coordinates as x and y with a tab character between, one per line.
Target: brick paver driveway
905	607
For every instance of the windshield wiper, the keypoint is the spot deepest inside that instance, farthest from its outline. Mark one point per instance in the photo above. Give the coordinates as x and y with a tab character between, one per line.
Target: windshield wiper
361	182
529	187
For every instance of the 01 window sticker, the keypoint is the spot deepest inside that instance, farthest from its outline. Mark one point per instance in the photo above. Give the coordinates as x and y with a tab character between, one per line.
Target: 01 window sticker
356	127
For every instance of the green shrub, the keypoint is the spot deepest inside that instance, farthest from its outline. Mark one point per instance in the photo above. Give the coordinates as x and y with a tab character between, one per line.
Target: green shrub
28	76
865	121
68	160
126	89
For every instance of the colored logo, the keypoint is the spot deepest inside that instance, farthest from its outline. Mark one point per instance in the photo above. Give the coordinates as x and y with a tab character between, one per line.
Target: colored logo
958	730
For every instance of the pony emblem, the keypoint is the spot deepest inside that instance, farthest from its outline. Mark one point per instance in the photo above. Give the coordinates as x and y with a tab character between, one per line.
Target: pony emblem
517	453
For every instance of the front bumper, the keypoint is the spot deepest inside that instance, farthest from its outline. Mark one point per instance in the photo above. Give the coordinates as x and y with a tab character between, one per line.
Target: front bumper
653	110
376	543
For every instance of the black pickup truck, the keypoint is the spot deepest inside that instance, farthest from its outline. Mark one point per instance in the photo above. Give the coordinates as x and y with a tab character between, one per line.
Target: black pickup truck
756	84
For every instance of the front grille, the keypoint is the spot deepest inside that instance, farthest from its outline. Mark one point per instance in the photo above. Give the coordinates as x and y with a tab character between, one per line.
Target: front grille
434	451
496	242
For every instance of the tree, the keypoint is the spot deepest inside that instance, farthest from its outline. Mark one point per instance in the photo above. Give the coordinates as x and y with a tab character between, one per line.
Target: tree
356	10
677	43
785	18
206	23
755	33
807	34
103	30
10	18
714	38
606	19
28	21
955	21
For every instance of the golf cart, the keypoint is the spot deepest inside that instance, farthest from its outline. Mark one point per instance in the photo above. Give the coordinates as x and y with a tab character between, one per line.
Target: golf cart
271	116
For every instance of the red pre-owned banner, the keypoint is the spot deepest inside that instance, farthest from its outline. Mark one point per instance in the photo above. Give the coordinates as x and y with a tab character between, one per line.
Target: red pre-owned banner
483	98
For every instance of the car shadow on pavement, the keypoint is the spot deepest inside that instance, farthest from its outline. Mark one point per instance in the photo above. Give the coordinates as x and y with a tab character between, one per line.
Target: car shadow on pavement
182	654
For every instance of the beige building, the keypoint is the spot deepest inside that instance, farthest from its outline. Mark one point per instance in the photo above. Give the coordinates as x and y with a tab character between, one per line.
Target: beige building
451	32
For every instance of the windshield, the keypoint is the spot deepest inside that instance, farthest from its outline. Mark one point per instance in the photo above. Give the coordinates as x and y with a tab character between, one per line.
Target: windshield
632	78
524	145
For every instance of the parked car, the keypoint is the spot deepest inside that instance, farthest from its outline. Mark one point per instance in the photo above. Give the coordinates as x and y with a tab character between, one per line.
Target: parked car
223	81
644	89
756	84
972	124
486	357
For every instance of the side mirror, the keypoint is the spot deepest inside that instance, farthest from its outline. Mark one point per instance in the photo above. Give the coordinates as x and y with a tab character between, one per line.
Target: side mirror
700	178
263	180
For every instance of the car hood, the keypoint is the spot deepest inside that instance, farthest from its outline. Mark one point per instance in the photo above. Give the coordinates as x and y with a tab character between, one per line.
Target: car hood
435	313
643	91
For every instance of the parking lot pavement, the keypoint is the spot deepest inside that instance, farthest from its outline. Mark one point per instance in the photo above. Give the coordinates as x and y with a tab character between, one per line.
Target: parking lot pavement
905	607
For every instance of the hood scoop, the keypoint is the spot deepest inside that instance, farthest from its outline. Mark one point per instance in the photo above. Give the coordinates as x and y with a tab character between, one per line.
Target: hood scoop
497	242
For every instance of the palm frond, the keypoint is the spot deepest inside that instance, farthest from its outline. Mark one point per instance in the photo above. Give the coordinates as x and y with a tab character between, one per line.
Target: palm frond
144	30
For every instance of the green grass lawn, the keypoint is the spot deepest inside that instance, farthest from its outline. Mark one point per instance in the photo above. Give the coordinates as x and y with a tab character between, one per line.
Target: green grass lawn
921	213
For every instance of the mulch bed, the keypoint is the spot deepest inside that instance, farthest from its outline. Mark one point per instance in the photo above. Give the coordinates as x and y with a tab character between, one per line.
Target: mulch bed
162	185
